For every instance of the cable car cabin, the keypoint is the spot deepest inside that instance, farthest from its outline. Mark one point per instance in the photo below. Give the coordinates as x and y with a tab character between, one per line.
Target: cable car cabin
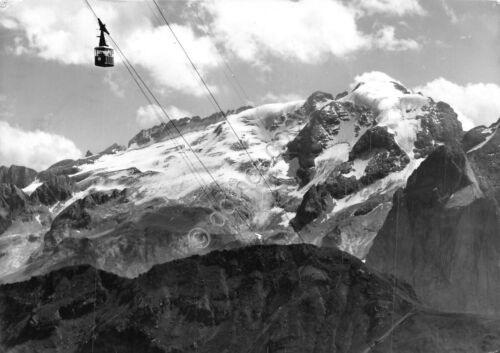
104	56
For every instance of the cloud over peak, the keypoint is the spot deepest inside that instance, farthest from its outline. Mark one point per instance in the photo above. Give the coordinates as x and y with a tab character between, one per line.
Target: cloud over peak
35	149
475	103
390	7
306	31
386	39
150	115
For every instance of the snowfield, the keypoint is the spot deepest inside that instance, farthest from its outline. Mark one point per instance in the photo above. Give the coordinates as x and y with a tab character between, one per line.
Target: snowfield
184	171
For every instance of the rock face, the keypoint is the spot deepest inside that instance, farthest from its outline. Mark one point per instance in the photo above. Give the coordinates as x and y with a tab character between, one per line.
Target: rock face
76	216
295	298
109	231
54	188
112	149
372	150
19	176
439	125
186	124
12	203
328	169
327	120
442	234
484	158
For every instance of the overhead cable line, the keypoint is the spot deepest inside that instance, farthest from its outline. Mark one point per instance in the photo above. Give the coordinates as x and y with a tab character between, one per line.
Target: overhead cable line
214	99
136	76
195	68
240	91
196	79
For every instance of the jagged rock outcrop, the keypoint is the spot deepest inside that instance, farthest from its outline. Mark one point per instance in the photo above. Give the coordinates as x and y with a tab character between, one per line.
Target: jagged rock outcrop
186	124
322	131
315	101
12	203
115	147
76	216
375	147
53	188
111	232
332	162
17	175
296	298
64	167
442	236
384	154
313	203
439	124
484	157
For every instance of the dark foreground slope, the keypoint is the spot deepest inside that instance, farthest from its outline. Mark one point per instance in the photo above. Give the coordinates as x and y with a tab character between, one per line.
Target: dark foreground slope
295	298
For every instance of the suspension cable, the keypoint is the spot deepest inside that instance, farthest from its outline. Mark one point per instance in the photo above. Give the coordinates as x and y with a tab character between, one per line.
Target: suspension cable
196	79
173	124
133	71
240	91
171	121
209	90
215	100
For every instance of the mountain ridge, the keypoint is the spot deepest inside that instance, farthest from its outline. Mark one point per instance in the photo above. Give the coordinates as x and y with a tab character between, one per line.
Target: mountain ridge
259	298
332	166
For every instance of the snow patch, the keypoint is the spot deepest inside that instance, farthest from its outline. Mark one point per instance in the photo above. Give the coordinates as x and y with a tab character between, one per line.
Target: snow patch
385	185
28	190
482	143
358	168
396	109
467	194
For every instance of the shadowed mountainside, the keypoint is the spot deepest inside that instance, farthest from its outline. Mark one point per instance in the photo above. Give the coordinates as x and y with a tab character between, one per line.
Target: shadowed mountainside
296	298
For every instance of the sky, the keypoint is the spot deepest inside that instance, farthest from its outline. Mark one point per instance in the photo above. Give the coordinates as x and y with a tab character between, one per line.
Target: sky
55	104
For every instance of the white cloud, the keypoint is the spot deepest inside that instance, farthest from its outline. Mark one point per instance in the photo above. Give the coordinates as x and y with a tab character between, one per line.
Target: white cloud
34	149
151	115
372	76
390	7
475	103
113	85
280	98
307	31
65	31
304	30
55	30
449	11
386	39
155	49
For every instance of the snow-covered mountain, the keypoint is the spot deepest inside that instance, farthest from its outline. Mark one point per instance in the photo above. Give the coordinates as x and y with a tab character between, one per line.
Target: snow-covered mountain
321	170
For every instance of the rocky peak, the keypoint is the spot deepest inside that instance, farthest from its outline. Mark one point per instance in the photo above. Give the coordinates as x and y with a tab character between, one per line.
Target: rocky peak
334	123
475	136
17	175
115	147
440	175
54	188
485	159
438	125
161	131
442	236
315	101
